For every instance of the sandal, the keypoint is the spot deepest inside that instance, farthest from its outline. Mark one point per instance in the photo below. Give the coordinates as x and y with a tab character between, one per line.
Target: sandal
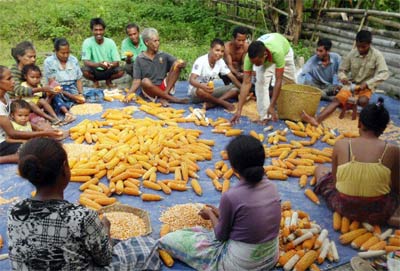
56	122
69	118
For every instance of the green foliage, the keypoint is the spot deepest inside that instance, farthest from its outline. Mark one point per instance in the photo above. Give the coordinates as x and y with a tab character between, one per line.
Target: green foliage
185	27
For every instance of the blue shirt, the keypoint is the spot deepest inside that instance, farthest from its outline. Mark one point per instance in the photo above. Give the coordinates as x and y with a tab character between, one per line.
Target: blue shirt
69	75
314	73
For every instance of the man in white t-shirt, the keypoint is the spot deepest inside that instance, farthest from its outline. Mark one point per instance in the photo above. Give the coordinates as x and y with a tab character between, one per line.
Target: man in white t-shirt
201	82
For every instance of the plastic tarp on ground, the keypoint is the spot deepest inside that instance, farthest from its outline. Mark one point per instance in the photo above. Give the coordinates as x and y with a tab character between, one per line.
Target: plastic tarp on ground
11	185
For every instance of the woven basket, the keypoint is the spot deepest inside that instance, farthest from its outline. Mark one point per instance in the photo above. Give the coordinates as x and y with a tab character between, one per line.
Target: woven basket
117	207
293	99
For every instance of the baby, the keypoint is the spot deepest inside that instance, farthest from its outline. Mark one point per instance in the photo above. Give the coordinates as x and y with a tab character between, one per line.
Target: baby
19	115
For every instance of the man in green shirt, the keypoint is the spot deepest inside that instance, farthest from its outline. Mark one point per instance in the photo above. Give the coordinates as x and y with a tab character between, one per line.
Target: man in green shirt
100	56
131	47
272	56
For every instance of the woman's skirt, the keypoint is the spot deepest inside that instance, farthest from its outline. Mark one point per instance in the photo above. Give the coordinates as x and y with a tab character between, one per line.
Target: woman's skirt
198	248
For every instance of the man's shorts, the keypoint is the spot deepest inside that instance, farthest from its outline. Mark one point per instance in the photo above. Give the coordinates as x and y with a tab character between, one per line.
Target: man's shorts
218	92
344	95
102	74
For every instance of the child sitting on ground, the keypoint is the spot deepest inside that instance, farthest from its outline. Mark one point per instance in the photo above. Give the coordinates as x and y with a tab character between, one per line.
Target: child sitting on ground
19	115
33	75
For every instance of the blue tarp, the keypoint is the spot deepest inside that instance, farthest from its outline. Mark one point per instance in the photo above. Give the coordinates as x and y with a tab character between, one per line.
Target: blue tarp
11	185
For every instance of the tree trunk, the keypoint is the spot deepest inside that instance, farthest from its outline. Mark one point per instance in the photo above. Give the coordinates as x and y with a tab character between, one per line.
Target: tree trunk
350	35
298	21
358	11
353	26
384	22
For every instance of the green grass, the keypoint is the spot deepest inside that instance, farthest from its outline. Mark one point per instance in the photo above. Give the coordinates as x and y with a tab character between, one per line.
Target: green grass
186	27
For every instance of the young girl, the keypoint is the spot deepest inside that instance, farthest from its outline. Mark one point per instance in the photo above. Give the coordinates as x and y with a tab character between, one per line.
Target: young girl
47	232
32	76
8	150
246	225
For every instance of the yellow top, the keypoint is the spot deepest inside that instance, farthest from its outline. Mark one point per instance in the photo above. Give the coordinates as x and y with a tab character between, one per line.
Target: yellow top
363	179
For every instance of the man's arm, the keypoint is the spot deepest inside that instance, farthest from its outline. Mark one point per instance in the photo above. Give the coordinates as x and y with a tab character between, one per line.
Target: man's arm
9	130
381	73
276	92
234	80
244	91
194	82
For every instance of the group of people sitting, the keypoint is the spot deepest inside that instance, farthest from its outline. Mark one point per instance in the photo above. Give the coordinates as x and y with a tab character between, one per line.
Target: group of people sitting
48	232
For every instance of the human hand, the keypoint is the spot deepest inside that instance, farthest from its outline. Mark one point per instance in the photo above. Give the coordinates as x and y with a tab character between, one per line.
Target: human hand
179	64
345	81
54	133
272	112
205	213
236	117
105	65
80	99
363	86
214	209
49	90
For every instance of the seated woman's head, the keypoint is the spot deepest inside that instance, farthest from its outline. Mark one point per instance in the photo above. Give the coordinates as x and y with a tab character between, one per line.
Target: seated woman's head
24	52
375	117
43	161
246	155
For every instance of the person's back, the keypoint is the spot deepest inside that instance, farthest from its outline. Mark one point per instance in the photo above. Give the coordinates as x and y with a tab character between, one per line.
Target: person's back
56	235
255	210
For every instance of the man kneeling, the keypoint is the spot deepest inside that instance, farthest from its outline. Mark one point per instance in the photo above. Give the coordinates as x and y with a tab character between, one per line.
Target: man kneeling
205	69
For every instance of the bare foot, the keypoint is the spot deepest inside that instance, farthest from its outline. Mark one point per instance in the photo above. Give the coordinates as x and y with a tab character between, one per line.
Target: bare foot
96	84
164	102
229	107
262	122
309	119
110	84
208	105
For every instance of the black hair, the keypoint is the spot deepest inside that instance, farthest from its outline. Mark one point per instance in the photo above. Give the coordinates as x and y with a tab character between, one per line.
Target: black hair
364	36
256	49
240	30
96	21
326	43
246	155
59	42
215	42
41	161
375	117
21	49
30	67
19	104
2	70
132	25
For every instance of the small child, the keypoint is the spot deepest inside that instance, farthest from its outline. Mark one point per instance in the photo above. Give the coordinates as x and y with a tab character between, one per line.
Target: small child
33	75
19	115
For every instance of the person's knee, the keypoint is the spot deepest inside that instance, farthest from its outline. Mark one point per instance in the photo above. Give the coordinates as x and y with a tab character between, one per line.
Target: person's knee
146	83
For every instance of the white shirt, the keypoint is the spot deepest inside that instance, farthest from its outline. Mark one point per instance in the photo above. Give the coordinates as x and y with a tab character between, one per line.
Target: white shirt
4	111
202	68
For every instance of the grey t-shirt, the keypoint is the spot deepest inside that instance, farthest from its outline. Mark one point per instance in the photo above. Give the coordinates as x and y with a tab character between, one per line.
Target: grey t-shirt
154	69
